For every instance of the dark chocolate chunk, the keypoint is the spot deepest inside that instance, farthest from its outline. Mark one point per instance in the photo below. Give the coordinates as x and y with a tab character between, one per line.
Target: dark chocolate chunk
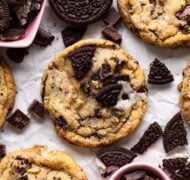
71	35
136	175
184	14
37	109
153	2
159	73
4	15
81	60
175	134
112	34
61	122
108	171
43	38
108	95
149	137
112	17
12	34
177	168
80	12
115	156
2	150
17	54
18	119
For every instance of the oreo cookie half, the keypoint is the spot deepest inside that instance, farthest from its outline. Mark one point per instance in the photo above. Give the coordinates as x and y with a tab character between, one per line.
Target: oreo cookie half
4	15
80	12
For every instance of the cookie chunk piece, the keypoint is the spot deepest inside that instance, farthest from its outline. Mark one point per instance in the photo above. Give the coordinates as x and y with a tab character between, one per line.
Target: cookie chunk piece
7	91
39	162
158	22
91	91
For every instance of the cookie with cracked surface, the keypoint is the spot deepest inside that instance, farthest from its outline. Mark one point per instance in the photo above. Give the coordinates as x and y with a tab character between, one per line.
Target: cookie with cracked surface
39	162
162	23
7	91
91	90
184	98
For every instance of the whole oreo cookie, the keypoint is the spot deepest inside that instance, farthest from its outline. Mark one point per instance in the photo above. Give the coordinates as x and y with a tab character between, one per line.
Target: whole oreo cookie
80	12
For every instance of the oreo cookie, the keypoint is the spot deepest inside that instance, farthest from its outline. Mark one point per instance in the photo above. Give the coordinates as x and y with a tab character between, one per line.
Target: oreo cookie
80	12
175	134
150	136
159	73
5	15
12	34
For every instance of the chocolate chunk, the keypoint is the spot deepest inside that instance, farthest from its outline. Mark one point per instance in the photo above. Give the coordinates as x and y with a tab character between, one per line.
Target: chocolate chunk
108	95
177	168
17	54
112	34
108	171
149	137
81	60
61	122
71	35
175	134
37	109
43	38
112	17
4	15
2	150
184	14
18	119
153	2
115	156
12	34
136	175
159	73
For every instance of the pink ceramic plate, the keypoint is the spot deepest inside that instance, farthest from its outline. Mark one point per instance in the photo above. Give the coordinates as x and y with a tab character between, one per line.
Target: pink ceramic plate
30	33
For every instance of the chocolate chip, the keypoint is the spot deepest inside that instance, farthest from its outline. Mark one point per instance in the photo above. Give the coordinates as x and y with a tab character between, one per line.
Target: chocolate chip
153	2
18	119
37	109
184	14
61	122
112	34
2	150
112	17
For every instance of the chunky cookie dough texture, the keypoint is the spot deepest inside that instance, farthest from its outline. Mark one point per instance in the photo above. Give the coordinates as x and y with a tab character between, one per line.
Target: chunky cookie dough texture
95	93
39	163
184	88
161	22
7	91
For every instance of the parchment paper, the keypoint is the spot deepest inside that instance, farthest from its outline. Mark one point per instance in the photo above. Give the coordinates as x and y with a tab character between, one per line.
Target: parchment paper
163	100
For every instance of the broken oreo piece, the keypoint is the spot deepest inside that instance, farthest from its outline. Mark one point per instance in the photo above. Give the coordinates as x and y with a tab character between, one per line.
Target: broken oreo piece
112	17
149	137
175	134
18	119
37	109
159	73
4	15
17	54
43	38
12	34
2	150
81	60
71	35
112	34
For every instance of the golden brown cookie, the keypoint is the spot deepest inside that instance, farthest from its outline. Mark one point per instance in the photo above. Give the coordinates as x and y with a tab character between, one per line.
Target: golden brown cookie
184	88
95	93
159	22
39	163
7	91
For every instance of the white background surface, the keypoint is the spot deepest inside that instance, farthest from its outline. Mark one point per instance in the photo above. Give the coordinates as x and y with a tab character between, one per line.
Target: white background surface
163	101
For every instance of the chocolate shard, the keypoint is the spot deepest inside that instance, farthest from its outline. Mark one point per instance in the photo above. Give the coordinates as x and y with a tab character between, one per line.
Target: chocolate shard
17	54
159	73
71	35
37	109
136	175
184	14
43	38
112	17
2	150
175	134
112	34
18	119
150	136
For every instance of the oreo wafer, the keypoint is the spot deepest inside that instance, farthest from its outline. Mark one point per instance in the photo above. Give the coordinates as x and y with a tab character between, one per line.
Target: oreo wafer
80	12
4	15
175	134
150	136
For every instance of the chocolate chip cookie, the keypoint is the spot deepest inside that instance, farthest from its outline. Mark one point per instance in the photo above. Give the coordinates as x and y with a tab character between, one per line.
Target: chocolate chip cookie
7	91
184	88
40	163
95	93
159	22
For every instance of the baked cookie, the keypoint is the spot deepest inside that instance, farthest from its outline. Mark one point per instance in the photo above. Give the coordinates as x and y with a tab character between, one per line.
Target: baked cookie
39	163
95	93
7	91
160	22
184	88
